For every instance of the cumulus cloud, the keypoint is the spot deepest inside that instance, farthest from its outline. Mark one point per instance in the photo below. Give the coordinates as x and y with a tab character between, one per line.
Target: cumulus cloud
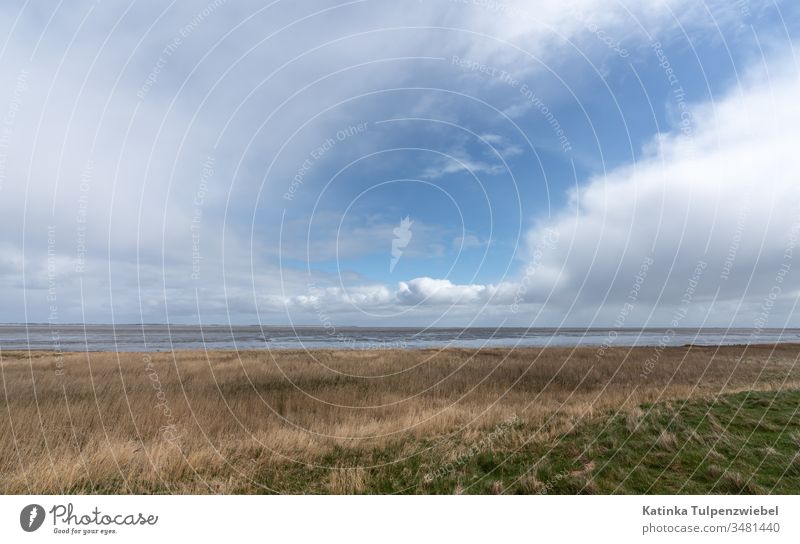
724	193
422	293
437	291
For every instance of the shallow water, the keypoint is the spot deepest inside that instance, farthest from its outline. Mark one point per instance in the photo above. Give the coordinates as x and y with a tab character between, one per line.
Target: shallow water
166	338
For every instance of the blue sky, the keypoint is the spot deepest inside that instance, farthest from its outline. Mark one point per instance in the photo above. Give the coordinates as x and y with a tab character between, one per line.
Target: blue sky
211	162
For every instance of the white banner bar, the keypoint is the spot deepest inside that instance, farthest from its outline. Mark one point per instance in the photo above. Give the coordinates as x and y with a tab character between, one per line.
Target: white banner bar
390	519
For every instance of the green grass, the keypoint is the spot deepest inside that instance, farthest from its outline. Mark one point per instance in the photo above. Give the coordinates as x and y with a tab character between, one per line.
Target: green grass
741	443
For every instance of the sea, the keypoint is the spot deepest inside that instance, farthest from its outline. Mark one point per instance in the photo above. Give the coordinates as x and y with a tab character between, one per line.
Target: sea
155	337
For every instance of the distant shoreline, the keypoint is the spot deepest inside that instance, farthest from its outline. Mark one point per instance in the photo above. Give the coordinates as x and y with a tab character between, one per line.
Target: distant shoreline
399	328
416	349
167	338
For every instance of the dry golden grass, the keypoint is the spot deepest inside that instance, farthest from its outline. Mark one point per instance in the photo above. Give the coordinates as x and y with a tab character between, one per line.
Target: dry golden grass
192	422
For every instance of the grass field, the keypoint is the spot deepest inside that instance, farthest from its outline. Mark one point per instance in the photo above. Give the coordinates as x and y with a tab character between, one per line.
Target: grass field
620	420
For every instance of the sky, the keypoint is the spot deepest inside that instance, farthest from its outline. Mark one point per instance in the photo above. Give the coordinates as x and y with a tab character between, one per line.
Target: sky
579	163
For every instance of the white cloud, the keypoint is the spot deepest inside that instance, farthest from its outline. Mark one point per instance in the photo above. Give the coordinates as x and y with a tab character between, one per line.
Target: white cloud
437	291
469	241
459	162
727	195
502	145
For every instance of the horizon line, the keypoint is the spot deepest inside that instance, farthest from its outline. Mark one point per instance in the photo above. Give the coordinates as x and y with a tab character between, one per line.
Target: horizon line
290	326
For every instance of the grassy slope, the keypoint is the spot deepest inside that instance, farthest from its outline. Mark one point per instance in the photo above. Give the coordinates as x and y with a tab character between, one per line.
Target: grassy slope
292	423
739	443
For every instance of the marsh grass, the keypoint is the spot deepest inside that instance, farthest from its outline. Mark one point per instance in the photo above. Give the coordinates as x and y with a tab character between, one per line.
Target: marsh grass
380	421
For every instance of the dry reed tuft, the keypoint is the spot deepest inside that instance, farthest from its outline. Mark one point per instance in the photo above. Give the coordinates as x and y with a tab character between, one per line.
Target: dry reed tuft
347	480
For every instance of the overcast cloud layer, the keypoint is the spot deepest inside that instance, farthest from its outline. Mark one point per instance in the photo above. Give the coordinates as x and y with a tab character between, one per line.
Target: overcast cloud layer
584	163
